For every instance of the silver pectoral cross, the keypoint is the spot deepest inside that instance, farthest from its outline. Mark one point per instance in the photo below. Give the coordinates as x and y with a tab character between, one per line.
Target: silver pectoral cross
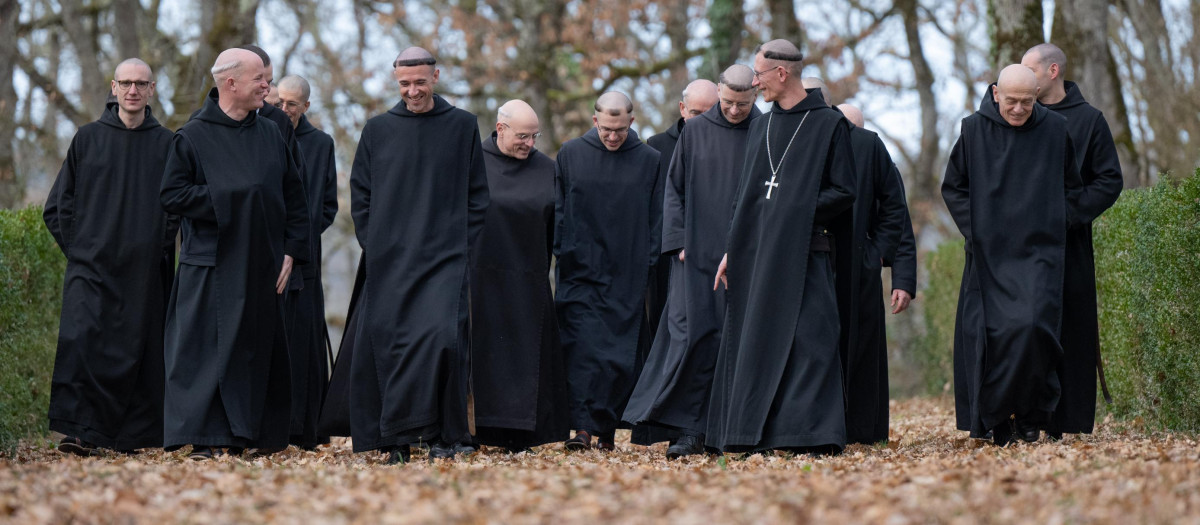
771	185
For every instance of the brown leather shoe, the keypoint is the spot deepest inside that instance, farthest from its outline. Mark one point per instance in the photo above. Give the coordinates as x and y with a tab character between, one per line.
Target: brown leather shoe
76	446
581	441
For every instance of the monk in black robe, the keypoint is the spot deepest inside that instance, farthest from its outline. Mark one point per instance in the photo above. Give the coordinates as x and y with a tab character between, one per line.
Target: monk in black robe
1100	173
517	370
245	224
879	216
103	211
418	198
308	337
1010	188
605	210
778	381
673	389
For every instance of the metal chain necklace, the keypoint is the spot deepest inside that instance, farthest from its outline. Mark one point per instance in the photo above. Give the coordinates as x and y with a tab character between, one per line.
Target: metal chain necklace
775	169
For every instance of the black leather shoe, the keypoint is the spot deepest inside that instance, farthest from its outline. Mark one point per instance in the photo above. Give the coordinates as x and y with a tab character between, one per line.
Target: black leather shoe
581	441
465	448
1054	436
441	450
399	455
686	446
202	453
1002	434
1027	433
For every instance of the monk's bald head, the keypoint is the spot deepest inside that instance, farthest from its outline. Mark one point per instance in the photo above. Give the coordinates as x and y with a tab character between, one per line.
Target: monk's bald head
232	61
853	114
738	78
1049	64
1046	54
131	64
698	97
416	75
296	84
414	56
241	81
780	52
819	85
613	117
517	129
614	103
1015	93
133	85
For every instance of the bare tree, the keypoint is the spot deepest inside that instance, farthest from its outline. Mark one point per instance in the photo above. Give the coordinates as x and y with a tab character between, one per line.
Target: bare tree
11	187
1016	26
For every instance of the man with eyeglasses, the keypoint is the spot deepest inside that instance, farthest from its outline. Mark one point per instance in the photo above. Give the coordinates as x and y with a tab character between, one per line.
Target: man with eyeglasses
419	196
229	174
307	334
606	209
103	210
517	370
673	389
778	380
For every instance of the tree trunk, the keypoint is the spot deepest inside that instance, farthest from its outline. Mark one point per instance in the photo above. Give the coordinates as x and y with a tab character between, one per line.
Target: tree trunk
223	24
11	189
1016	26
926	180
785	25
1081	30
725	17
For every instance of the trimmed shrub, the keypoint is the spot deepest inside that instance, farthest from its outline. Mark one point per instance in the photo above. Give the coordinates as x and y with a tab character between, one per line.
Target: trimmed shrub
934	351
31	273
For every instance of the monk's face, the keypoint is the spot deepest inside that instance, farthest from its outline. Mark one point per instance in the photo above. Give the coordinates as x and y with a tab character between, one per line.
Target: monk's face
291	102
768	78
695	105
416	86
273	96
1016	102
252	84
133	87
736	105
516	137
614	129
1045	73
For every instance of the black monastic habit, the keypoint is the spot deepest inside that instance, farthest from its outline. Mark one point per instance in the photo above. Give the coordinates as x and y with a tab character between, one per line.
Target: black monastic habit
1100	171
606	208
308	337
778	379
418	198
673	389
243	209
335	408
517	372
104	212
1008	190
879	215
657	290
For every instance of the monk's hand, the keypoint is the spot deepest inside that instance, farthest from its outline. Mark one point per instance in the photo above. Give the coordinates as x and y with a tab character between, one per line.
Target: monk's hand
681	257
284	274
721	274
900	300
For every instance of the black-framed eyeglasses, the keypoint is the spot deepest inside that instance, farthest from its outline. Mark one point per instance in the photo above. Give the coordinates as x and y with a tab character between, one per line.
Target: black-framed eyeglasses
524	137
142	85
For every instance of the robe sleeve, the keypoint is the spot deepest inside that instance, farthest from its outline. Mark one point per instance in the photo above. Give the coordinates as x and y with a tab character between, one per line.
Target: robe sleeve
891	210
674	203
956	190
59	212
360	188
836	194
330	206
904	268
477	191
656	214
296	233
1075	190
184	191
1105	187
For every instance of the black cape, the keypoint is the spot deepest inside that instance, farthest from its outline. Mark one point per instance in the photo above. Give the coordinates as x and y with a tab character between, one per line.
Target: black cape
335	408
778	380
308	336
243	209
418	198
605	210
673	388
1100	172
1007	190
517	371
879	216
103	211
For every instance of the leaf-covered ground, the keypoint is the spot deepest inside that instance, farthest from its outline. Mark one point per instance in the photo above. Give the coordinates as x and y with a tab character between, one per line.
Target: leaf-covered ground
928	473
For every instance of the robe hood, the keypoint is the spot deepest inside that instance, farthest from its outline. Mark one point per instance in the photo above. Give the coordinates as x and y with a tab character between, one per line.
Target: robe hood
990	109
1074	98
439	106
716	117
112	117
592	138
212	113
304	127
674	131
814	100
489	146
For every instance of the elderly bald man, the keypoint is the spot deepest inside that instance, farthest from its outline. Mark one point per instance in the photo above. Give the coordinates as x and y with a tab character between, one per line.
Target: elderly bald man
605	210
103	211
245	224
419	195
673	389
1011	186
518	378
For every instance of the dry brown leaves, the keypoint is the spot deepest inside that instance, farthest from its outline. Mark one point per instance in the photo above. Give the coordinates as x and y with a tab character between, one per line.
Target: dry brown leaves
928	473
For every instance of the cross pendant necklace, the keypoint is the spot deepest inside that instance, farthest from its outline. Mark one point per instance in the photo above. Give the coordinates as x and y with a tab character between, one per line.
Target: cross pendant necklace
771	184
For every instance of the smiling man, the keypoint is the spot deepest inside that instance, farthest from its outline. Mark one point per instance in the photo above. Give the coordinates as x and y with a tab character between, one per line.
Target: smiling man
1011	187
419	195
104	213
605	211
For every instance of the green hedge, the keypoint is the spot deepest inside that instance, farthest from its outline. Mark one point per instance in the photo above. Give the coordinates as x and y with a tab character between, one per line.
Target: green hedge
1148	283
31	272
